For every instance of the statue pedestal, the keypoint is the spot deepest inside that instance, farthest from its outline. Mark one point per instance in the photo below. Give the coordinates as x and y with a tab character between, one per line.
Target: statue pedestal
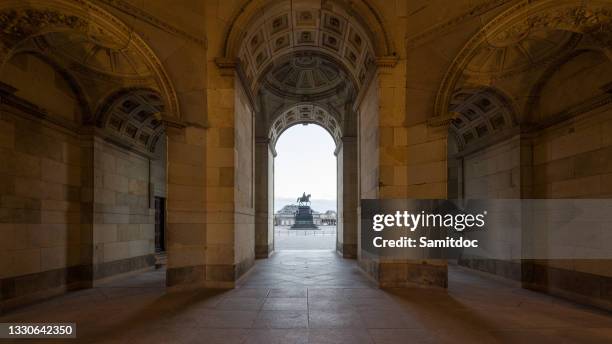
303	218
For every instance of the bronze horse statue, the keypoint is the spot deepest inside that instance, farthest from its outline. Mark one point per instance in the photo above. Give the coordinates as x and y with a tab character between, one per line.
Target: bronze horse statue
303	199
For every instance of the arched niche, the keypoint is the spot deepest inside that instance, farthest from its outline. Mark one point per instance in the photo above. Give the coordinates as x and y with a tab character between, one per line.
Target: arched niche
79	26
526	35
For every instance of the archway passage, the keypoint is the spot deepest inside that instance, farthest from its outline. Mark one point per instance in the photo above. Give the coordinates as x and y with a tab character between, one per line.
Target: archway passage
305	62
305	164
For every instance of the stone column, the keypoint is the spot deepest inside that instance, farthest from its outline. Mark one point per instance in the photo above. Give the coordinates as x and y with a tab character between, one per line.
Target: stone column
210	188
264	198
186	207
230	155
348	198
412	163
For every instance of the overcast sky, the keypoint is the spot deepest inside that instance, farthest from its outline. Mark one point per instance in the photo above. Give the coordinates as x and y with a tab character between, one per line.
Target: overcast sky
305	163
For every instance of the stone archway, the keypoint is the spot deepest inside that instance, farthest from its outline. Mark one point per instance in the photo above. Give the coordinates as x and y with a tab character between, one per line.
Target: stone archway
360	89
305	113
304	62
560	21
346	151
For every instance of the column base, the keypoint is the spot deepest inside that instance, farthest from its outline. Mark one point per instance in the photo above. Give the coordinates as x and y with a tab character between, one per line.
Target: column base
222	276
405	274
263	251
348	251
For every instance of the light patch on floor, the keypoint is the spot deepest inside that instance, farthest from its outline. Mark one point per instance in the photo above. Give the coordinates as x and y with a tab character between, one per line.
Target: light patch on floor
323	238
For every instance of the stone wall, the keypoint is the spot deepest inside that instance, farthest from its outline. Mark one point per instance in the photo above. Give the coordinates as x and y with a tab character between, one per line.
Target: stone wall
494	172
572	160
42	246
123	222
74	209
186	206
410	162
44	250
368	142
264	198
244	216
158	170
37	82
566	160
368	163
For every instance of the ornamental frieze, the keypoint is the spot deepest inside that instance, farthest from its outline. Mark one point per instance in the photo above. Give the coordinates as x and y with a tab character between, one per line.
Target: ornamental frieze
576	19
16	25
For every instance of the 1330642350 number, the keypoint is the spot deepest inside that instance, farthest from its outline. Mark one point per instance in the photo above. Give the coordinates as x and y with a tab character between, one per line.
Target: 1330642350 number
37	330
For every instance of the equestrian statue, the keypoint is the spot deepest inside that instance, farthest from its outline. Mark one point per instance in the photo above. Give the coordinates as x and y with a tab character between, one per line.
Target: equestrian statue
304	199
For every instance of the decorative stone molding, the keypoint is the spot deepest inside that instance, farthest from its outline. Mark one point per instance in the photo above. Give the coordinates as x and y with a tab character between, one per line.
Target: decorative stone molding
266	141
386	61
442	121
21	20
226	62
443	28
171	122
19	24
305	113
139	13
519	20
264	30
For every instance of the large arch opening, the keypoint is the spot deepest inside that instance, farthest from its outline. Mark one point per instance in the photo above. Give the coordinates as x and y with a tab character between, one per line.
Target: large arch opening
305	164
332	128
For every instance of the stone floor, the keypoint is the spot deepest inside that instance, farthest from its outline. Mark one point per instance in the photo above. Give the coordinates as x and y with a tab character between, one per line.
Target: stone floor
317	297
323	238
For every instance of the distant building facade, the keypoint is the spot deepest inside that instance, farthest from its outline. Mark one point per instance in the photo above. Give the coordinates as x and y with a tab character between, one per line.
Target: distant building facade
286	217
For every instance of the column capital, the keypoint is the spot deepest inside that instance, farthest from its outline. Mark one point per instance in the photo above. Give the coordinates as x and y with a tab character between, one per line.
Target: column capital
388	61
226	62
442	121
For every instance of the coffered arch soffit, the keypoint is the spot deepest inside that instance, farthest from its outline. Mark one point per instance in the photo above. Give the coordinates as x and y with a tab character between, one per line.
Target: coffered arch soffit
266	30
133	117
87	39
480	114
305	113
529	34
312	75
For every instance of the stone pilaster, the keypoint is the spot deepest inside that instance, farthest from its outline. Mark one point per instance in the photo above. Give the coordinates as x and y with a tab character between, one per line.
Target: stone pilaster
186	207
348	198
412	163
264	198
